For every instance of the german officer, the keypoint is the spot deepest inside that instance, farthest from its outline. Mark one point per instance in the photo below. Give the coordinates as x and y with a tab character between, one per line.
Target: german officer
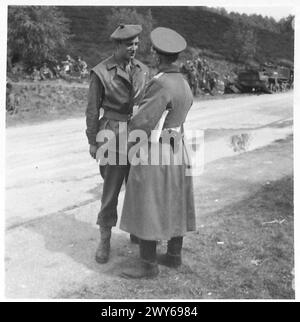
116	85
159	201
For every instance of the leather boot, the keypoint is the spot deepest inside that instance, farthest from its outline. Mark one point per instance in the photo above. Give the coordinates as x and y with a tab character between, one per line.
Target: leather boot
147	267
173	256
102	253
134	239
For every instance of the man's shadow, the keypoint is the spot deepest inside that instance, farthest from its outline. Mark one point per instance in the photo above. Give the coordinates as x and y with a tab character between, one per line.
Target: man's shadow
78	239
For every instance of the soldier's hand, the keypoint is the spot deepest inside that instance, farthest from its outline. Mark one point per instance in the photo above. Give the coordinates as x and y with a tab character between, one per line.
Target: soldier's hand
93	150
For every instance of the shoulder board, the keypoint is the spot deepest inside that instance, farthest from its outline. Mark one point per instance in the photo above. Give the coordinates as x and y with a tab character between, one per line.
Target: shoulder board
158	75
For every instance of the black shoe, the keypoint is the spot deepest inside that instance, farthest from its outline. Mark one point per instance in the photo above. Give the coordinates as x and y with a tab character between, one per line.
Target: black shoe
134	239
143	270
169	260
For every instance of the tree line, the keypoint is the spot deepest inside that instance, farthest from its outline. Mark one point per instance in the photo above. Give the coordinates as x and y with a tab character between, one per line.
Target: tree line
257	21
43	33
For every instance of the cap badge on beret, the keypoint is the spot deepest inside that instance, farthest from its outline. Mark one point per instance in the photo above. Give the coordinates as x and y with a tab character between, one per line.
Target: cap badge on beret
167	41
124	32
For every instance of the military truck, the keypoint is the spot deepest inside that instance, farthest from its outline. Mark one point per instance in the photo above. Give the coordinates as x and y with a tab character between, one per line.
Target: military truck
252	80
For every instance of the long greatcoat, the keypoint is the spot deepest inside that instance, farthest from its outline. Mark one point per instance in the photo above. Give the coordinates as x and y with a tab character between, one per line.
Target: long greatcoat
159	201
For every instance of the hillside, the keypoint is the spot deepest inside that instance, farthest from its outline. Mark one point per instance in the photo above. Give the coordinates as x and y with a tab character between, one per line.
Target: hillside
203	29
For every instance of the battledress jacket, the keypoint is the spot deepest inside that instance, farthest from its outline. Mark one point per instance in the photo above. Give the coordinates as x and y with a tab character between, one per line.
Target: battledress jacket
114	90
159	200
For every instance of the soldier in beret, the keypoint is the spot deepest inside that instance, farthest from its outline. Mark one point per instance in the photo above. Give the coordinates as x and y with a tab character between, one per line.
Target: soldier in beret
116	85
159	200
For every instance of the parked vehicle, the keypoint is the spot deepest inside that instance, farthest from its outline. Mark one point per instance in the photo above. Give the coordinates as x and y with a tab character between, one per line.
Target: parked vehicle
252	81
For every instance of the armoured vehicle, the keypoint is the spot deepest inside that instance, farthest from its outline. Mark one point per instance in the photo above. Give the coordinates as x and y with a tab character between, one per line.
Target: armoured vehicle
252	81
267	78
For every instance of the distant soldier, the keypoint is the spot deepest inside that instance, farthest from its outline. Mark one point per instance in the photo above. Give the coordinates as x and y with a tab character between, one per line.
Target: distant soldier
82	67
69	64
70	59
273	83
212	80
220	87
81	63
199	68
192	77
66	67
46	72
17	68
184	70
35	75
283	86
12	101
193	80
205	76
56	68
227	80
199	64
227	84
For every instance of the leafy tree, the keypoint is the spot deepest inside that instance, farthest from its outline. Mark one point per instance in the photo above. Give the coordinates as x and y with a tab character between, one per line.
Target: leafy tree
36	33
131	16
242	42
286	24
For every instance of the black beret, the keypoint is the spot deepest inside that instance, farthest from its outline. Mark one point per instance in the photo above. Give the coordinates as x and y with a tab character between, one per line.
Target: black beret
124	32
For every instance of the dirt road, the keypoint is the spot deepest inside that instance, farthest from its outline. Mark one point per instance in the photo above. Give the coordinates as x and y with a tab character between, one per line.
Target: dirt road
53	190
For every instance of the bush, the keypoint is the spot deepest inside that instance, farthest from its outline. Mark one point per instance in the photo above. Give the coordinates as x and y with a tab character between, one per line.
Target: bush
36	33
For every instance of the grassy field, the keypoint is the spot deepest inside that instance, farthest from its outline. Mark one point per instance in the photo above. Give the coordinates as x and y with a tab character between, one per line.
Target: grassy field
243	248
46	101
52	100
247	249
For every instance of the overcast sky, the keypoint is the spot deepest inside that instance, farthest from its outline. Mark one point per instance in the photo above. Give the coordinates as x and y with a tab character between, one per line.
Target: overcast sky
273	8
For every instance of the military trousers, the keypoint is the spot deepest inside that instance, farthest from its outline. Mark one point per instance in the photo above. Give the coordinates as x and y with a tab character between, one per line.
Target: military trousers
113	178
